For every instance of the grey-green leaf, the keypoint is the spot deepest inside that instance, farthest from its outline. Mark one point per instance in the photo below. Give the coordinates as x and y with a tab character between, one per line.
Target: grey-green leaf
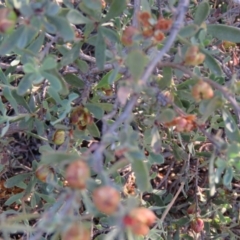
63	27
77	17
230	126
25	84
100	50
224	32
116	8
136	62
212	64
228	176
188	30
201	13
142	176
73	80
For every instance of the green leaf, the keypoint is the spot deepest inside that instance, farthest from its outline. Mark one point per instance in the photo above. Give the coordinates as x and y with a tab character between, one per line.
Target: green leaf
104	82
3	77
66	106
167	115
63	27
5	129
83	65
10	42
228	176
25	84
29	68
224	32
116	9
95	110
36	45
114	76
93	4
156	140
58	157
156	158
100	50
142	176
202	12
230	126
7	93
48	63
52	9
64	87
55	83
136	62
73	80
208	108
188	31
77	17
93	130
23	38
47	198
145	6
73	54
13	199
14	181
166	80
212	64
110	34
37	78
105	106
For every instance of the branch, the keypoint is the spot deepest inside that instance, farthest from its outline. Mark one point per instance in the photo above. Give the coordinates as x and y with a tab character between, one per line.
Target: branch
215	85
182	7
137	4
181	10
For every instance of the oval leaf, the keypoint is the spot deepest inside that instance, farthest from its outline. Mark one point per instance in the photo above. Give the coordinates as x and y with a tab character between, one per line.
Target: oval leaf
201	13
224	32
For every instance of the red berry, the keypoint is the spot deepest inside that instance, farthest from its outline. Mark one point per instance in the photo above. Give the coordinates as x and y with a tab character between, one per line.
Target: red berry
77	174
106	199
197	225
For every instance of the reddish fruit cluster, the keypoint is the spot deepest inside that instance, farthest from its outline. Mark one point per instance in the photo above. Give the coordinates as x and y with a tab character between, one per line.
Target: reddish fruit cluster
128	34
139	220
43	172
183	123
193	57
106	199
81	117
202	90
155	30
77	174
77	232
197	225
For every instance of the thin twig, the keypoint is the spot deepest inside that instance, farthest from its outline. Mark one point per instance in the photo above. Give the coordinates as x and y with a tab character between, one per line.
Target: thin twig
137	4
214	84
181	10
172	202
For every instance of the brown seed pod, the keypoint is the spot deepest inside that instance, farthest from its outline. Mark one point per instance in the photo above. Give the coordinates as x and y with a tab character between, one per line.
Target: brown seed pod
43	172
77	231
127	36
77	174
106	199
202	90
197	225
143	18
59	137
